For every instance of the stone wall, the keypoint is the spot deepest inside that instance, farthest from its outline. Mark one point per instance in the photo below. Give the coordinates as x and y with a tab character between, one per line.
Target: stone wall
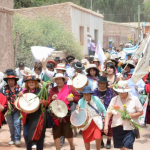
7	3
61	12
6	37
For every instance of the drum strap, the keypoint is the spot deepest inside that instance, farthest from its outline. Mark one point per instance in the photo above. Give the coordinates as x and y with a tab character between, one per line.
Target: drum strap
94	109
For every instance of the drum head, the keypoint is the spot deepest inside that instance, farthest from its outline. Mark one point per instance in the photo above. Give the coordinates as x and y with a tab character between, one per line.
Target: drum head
28	103
78	118
59	108
16	103
79	81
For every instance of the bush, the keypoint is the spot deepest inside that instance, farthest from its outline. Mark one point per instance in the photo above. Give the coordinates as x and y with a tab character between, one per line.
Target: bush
42	32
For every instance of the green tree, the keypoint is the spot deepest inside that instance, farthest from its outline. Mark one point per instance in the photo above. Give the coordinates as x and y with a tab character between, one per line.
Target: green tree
147	10
43	32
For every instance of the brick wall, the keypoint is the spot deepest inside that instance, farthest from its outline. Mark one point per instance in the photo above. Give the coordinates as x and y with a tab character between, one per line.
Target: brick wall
59	11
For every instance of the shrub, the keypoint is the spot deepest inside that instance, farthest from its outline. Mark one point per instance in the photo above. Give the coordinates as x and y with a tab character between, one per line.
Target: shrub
42	32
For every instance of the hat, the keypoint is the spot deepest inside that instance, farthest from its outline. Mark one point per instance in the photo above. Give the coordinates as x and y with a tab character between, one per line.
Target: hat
91	58
110	46
87	89
78	66
91	66
103	79
96	59
33	77
122	86
84	61
71	57
131	65
57	59
130	54
27	72
59	75
52	62
11	74
115	56
70	60
61	66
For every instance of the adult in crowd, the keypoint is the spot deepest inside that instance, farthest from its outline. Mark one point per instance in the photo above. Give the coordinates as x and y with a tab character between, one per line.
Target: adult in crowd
21	66
92	47
85	62
97	63
57	60
111	75
111	51
36	121
127	72
62	126
122	54
88	42
38	70
65	62
123	131
93	76
1	81
91	60
92	130
11	91
3	103
105	94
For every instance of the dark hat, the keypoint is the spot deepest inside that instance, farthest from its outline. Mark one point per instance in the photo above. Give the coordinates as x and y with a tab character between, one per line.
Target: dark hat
32	77
70	56
57	59
70	60
87	89
91	58
52	62
78	66
130	54
103	79
11	74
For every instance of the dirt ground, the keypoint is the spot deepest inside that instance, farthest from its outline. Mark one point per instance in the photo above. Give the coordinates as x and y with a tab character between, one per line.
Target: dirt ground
140	144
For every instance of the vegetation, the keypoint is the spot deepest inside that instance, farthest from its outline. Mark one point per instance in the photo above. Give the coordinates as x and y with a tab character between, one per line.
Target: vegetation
147	10
113	10
43	32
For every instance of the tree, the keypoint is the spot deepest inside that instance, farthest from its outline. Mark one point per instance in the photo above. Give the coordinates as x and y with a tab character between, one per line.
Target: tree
147	10
43	32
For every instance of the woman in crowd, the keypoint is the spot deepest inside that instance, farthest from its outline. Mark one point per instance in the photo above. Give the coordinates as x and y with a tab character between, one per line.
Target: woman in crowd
123	131
105	94
3	102
97	63
65	62
11	91
62	126
34	122
93	76
38	70
92	130
111	75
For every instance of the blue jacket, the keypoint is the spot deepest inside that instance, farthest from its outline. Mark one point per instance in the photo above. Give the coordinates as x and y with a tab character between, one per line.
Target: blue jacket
98	103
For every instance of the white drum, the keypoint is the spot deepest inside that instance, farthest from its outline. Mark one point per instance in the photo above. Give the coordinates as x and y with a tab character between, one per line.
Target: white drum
17	103
29	103
80	81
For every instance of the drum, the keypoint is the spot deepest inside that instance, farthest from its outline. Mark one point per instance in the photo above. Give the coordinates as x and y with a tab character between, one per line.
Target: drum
79	118
17	103
29	103
79	82
58	109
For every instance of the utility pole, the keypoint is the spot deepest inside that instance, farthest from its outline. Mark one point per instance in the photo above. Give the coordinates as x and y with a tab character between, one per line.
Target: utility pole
91	4
139	23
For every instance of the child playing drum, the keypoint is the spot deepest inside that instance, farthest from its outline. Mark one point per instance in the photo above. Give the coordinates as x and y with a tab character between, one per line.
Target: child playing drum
92	129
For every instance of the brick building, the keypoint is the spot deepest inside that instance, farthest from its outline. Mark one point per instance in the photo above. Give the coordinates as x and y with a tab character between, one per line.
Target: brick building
77	19
6	36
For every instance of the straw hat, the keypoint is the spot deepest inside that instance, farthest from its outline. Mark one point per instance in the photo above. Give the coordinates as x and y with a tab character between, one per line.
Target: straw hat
59	75
27	72
131	65
96	59
61	66
91	66
122	87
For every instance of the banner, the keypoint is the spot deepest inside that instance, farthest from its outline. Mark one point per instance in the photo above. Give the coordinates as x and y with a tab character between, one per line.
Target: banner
99	53
142	67
40	52
132	49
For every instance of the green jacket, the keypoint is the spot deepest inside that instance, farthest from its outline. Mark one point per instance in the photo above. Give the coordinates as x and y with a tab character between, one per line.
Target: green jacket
98	103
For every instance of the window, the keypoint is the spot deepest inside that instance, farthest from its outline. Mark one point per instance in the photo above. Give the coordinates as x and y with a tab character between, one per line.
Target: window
96	36
82	35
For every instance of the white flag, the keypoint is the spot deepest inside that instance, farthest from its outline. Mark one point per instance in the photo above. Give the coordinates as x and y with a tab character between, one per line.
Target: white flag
143	64
99	53
40	52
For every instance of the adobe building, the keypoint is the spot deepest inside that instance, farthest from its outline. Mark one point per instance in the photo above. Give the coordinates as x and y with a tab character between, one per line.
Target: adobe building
6	36
77	19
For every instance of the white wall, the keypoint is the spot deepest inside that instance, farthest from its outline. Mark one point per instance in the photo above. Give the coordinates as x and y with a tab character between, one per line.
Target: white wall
82	18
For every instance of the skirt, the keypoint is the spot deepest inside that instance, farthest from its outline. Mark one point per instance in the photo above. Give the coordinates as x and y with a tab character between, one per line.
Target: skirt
123	138
64	129
91	133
